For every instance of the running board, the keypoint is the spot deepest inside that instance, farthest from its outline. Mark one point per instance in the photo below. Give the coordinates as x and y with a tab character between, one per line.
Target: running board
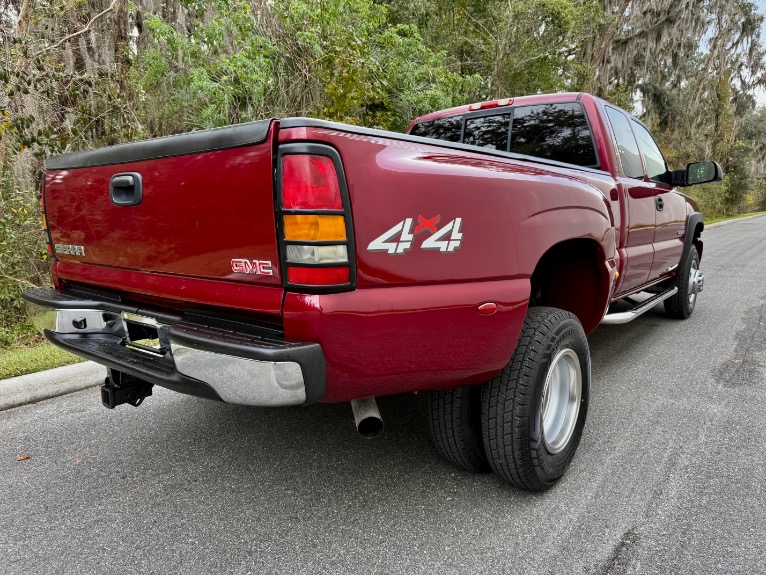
642	308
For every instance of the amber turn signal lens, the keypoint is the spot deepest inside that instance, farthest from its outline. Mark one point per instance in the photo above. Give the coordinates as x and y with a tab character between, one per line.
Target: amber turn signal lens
315	228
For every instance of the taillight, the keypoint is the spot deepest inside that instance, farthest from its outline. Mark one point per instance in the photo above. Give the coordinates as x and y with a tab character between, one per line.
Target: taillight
315	225
48	239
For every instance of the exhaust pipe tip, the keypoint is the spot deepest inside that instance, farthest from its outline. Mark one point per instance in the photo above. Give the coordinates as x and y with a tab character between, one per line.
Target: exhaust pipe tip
370	427
369	423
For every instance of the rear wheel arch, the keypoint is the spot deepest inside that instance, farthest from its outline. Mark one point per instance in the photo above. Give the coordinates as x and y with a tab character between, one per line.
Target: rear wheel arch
572	275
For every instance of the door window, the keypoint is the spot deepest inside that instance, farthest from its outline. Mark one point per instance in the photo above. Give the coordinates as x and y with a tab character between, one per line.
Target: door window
656	167
627	148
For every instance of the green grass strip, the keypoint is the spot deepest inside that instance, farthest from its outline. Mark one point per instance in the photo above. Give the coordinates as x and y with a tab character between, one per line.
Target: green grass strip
735	217
21	360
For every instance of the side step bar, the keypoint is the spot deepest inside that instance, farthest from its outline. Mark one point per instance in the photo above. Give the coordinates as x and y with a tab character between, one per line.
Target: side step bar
642	308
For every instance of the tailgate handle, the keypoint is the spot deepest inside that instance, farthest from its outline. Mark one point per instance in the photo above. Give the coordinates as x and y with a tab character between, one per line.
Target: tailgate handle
126	189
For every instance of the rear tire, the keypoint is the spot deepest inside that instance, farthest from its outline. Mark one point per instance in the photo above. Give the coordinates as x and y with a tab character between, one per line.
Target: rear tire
533	412
454	417
681	305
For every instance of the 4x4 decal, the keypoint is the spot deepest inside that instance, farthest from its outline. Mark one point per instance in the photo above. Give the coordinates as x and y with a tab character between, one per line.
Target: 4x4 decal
438	240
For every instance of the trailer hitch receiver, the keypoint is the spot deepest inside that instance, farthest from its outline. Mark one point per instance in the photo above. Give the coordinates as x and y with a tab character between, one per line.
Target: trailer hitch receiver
122	388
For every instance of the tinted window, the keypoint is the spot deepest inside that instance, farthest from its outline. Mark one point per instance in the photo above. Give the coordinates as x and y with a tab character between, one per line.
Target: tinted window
626	144
554	131
447	129
488	131
656	168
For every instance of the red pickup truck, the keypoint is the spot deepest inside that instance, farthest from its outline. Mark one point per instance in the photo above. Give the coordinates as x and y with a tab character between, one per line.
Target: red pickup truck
295	261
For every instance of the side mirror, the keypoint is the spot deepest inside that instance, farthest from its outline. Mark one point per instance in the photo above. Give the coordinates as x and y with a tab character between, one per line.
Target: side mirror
698	173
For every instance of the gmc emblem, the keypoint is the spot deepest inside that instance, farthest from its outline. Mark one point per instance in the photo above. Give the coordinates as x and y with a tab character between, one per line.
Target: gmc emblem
255	267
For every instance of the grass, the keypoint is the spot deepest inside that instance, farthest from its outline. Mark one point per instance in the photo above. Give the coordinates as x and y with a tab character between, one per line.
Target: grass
20	360
736	217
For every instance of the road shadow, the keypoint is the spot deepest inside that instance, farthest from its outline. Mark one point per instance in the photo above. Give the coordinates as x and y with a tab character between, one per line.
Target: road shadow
288	444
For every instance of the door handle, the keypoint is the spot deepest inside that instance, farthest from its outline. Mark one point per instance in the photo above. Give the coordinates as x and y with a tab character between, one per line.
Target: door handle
126	189
659	202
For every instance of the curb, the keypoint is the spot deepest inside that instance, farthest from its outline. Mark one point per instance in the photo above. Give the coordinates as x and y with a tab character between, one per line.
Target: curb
727	222
42	385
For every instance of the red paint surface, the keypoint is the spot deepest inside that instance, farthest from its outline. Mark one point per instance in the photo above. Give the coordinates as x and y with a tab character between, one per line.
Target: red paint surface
382	341
232	295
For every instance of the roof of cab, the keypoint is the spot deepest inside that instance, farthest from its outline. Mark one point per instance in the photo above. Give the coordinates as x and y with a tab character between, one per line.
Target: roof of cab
521	101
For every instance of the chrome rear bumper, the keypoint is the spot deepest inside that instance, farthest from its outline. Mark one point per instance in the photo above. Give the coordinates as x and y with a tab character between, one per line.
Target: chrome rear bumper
236	363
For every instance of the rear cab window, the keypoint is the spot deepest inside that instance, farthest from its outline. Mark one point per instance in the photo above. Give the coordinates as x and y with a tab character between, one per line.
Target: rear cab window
447	129
558	132
488	131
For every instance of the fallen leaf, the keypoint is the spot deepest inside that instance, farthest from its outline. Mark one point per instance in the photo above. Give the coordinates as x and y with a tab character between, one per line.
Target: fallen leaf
77	462
22	457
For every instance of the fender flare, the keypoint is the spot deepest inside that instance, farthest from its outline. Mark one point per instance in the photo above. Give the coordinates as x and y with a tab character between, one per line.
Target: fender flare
695	219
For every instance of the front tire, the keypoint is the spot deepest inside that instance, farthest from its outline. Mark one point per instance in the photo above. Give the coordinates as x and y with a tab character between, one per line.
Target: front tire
681	305
533	413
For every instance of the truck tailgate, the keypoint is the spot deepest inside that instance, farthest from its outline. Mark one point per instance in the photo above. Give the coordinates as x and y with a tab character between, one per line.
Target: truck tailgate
205	211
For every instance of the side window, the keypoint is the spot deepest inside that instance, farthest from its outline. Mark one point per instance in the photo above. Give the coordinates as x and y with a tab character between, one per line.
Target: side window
447	129
554	131
626	144
656	167
488	131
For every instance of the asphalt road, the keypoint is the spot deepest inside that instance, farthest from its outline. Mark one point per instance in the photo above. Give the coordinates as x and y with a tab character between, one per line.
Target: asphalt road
669	478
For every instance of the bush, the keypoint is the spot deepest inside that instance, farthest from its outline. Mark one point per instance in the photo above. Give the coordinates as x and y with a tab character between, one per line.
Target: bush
23	257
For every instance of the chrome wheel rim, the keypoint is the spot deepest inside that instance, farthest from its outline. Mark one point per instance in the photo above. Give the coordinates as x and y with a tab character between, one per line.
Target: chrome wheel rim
693	272
560	403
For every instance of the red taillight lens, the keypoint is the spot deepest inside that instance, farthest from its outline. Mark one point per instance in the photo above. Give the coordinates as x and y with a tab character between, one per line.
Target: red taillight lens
310	183
317	276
